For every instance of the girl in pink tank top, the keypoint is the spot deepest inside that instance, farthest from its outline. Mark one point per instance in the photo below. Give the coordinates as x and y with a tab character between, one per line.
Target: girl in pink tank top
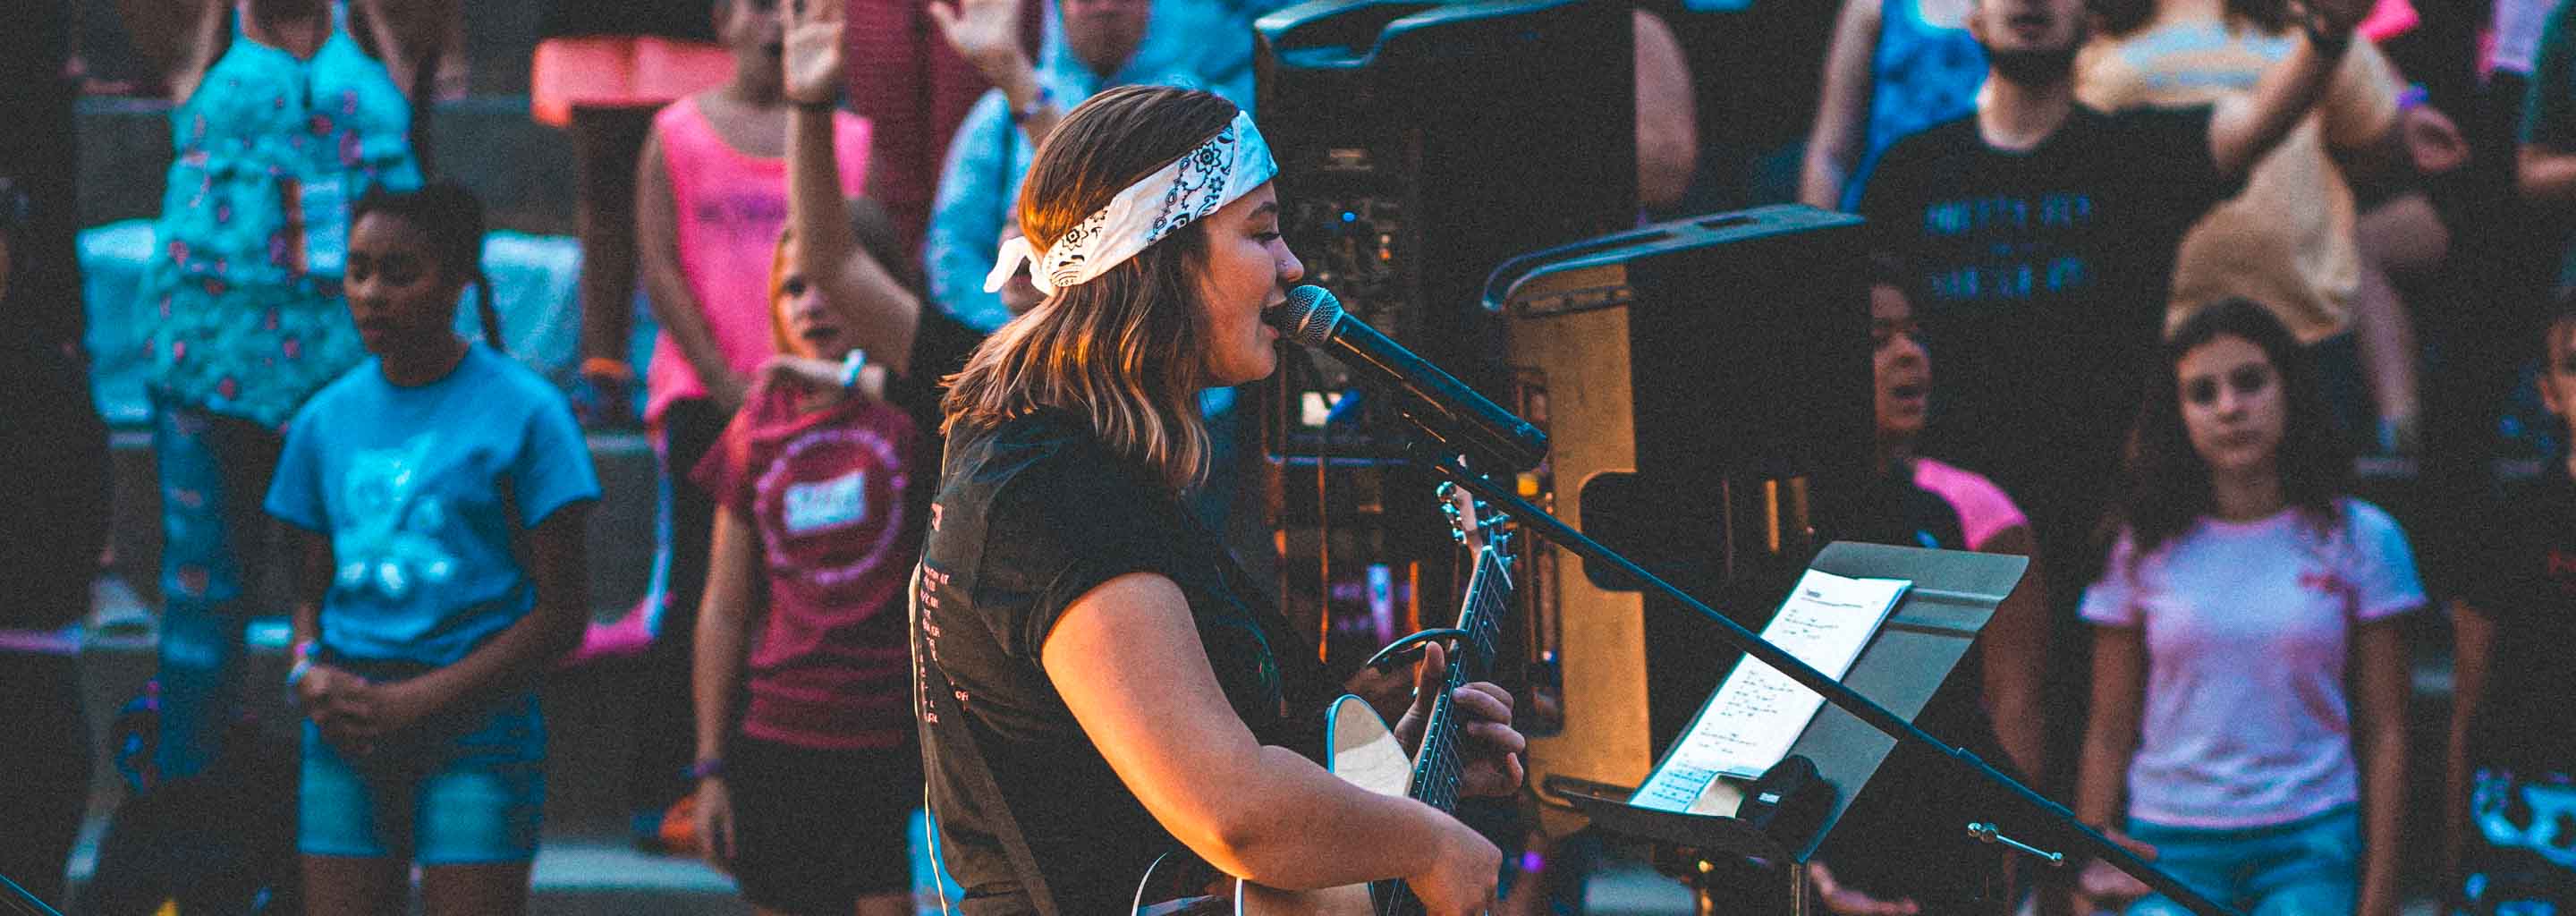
729	207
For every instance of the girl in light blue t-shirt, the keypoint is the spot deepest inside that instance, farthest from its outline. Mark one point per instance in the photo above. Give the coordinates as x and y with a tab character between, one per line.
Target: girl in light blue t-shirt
421	478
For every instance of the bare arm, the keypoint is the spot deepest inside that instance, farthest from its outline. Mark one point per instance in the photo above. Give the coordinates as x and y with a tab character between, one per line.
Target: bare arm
724	628
390	34
1129	664
206	41
820	220
1842	113
355	712
2382	731
2111	733
2014	658
2364	127
313	581
1667	115
2473	650
2110	740
657	253
2546	175
2243	128
557	562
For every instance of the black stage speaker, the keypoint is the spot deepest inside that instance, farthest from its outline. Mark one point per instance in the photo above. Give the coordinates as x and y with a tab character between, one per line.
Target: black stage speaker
1706	388
1419	145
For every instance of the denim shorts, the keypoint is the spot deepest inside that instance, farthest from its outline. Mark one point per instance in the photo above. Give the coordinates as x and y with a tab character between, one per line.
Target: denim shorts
2307	867
466	787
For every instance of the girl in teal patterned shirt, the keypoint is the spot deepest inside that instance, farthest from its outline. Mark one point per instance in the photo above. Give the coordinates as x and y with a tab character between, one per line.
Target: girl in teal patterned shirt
282	122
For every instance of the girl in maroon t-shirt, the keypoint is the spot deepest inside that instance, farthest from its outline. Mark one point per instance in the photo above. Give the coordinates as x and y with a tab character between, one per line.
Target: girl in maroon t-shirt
806	768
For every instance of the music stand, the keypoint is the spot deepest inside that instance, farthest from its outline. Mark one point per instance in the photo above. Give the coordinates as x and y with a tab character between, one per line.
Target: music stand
1930	629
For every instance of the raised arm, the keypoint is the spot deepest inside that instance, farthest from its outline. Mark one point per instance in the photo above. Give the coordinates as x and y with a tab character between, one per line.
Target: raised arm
2243	128
819	219
1128	662
1842	111
987	34
675	308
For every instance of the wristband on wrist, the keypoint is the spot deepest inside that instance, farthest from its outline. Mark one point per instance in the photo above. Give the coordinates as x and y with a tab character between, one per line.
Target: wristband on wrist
605	367
303	652
825	106
1045	98
851	366
706	767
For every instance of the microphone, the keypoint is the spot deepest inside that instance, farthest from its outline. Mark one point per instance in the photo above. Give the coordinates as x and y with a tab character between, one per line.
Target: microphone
1434	399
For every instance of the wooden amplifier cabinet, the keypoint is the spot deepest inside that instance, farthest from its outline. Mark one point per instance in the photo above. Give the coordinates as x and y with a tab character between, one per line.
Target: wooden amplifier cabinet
1706	386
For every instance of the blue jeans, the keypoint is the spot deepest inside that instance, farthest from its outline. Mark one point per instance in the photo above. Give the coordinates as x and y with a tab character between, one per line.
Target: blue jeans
2307	867
215	540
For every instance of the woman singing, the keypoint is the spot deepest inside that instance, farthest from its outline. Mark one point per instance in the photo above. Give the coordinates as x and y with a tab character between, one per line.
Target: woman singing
1120	689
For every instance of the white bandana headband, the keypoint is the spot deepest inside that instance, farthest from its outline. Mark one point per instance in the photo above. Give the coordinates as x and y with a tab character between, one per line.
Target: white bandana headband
1222	170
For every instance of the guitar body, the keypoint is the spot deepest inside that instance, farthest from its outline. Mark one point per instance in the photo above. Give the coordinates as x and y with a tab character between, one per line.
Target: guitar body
1359	748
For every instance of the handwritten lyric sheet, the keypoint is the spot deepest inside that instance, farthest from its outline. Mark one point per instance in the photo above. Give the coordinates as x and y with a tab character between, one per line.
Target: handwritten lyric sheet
1758	713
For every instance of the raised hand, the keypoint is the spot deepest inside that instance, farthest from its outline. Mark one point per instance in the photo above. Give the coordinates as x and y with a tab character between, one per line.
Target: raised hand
984	32
811	62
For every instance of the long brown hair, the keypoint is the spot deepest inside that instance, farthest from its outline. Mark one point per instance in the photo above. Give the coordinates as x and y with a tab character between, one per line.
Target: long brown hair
2168	481
1124	349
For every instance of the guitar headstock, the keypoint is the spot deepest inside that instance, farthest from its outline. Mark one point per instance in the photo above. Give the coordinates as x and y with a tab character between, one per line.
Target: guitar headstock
1472	522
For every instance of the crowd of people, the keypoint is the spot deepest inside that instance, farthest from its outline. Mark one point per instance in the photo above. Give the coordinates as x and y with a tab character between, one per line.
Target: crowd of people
2180	263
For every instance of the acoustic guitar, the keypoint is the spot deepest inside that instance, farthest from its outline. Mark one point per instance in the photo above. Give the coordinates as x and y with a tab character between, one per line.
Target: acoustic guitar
1360	749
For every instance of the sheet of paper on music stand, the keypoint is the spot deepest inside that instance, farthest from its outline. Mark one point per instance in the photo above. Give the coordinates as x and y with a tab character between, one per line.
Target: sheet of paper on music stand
1758	712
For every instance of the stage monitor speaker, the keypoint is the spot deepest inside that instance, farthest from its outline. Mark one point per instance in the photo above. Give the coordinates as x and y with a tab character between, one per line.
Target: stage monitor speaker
1706	387
1419	145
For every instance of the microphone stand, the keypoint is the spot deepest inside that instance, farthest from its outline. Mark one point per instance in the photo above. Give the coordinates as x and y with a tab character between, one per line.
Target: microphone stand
1452	463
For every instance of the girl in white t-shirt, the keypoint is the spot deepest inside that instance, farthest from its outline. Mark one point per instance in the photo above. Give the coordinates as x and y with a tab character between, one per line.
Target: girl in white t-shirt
2243	585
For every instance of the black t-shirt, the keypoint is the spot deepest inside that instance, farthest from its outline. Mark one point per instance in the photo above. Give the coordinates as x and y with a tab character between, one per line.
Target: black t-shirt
1905	835
2528	588
2044	274
1032	514
940	347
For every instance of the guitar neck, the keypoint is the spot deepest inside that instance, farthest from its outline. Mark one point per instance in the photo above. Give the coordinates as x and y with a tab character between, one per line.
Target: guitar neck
1437	767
